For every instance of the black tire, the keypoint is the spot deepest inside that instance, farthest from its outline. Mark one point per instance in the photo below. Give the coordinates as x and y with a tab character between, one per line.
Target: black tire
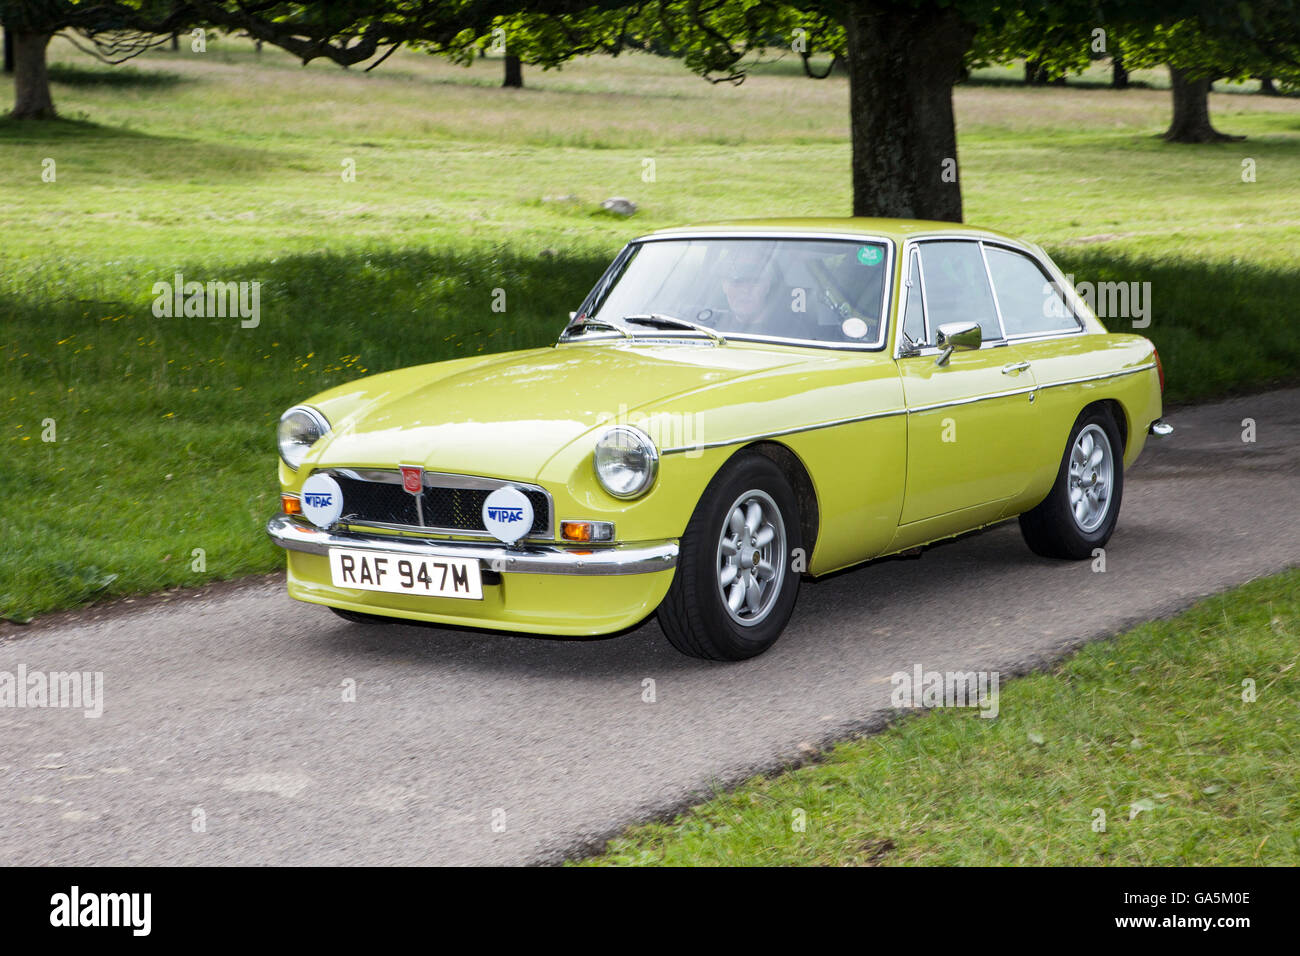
1052	529
694	615
358	617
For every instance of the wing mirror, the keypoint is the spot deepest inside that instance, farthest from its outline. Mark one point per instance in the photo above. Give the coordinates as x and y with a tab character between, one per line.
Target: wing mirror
957	335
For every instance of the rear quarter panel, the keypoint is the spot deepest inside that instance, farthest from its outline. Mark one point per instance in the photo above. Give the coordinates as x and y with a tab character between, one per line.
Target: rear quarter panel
1073	373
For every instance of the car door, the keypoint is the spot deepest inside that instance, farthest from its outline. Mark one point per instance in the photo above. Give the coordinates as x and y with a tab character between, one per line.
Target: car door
967	417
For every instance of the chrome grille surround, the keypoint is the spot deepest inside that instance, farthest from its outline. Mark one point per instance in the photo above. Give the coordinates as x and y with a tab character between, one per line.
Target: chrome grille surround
387	505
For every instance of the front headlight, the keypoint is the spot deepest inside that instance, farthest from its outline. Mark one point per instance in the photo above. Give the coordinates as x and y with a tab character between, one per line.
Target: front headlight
626	462
300	428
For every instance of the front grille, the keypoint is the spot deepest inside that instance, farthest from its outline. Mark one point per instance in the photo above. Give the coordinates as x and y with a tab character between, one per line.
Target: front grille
380	501
378	497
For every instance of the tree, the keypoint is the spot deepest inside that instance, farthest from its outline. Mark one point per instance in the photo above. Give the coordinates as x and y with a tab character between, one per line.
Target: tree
1197	52
112	31
1199	42
514	74
1118	71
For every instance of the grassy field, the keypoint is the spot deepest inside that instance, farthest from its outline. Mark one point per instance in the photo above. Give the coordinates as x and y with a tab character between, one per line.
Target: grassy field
1150	728
227	166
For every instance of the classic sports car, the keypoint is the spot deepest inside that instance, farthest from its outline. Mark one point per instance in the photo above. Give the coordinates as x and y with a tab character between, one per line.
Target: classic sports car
733	406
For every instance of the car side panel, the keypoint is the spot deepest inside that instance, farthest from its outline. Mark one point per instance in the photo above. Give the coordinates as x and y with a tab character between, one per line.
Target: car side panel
858	472
856	466
1072	373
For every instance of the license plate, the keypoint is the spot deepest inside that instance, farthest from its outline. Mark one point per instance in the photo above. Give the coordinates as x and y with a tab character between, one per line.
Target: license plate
432	575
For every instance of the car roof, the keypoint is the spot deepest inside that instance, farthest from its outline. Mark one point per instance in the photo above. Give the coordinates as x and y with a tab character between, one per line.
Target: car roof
898	229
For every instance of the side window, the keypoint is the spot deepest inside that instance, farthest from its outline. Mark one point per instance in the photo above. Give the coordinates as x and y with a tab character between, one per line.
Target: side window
1027	296
957	286
914	314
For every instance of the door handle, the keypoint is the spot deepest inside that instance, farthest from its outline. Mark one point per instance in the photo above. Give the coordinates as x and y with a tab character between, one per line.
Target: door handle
1015	369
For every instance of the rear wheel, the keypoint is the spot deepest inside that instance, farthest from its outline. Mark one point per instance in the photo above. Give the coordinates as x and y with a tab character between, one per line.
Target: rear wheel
734	589
1080	512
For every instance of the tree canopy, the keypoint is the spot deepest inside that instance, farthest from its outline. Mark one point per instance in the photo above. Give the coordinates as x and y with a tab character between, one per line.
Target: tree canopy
902	56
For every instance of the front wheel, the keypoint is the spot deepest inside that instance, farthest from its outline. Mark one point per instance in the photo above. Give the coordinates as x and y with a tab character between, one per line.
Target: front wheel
734	588
1079	513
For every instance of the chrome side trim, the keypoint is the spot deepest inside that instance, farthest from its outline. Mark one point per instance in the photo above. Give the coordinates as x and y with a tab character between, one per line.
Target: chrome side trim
905	411
1096	378
973	399
545	559
787	431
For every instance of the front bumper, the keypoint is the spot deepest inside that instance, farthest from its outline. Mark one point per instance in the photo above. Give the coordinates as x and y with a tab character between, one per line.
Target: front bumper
547	589
294	535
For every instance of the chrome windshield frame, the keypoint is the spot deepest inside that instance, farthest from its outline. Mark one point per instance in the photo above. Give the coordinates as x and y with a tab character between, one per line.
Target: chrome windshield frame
882	344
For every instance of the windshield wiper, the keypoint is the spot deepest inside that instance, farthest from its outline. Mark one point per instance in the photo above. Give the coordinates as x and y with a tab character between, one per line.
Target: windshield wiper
671	321
595	324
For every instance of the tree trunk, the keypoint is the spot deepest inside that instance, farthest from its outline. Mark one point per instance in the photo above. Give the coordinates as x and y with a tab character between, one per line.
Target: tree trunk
1191	122
9	50
514	73
1266	86
1035	73
32	98
902	64
176	41
1118	74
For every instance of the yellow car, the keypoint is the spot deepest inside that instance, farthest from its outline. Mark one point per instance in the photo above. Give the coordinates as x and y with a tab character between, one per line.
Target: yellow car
732	407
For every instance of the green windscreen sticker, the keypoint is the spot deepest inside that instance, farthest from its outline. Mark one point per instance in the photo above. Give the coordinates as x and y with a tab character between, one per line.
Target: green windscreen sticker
870	255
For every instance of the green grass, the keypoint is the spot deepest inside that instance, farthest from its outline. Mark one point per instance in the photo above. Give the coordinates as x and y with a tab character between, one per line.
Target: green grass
1153	720
226	166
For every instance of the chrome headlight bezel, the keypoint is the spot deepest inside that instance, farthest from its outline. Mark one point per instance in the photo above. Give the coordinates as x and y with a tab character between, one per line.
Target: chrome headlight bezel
296	425
616	443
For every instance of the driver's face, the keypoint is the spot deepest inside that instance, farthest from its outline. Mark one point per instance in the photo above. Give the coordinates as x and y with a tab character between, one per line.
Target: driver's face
747	293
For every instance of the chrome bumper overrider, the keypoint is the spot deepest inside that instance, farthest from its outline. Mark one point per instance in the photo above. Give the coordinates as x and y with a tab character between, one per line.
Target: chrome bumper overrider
529	559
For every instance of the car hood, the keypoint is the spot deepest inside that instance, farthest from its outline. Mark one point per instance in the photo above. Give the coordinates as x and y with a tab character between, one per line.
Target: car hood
509	414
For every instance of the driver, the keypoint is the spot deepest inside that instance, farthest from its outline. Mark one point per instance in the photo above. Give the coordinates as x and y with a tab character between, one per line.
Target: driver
753	285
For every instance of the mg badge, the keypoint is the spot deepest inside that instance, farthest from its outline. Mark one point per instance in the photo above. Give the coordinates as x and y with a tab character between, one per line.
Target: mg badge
413	478
507	514
322	500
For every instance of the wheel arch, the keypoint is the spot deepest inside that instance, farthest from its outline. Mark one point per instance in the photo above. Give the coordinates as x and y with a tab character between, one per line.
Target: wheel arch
805	492
1118	412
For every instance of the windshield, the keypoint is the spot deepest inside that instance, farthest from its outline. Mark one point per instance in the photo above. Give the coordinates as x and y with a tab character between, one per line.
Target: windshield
815	290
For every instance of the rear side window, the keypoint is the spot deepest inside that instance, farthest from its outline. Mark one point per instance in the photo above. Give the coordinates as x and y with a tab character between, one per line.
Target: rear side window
1027	296
957	286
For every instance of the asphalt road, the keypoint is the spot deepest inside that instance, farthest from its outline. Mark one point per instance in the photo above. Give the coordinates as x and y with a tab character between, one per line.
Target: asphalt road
226	707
